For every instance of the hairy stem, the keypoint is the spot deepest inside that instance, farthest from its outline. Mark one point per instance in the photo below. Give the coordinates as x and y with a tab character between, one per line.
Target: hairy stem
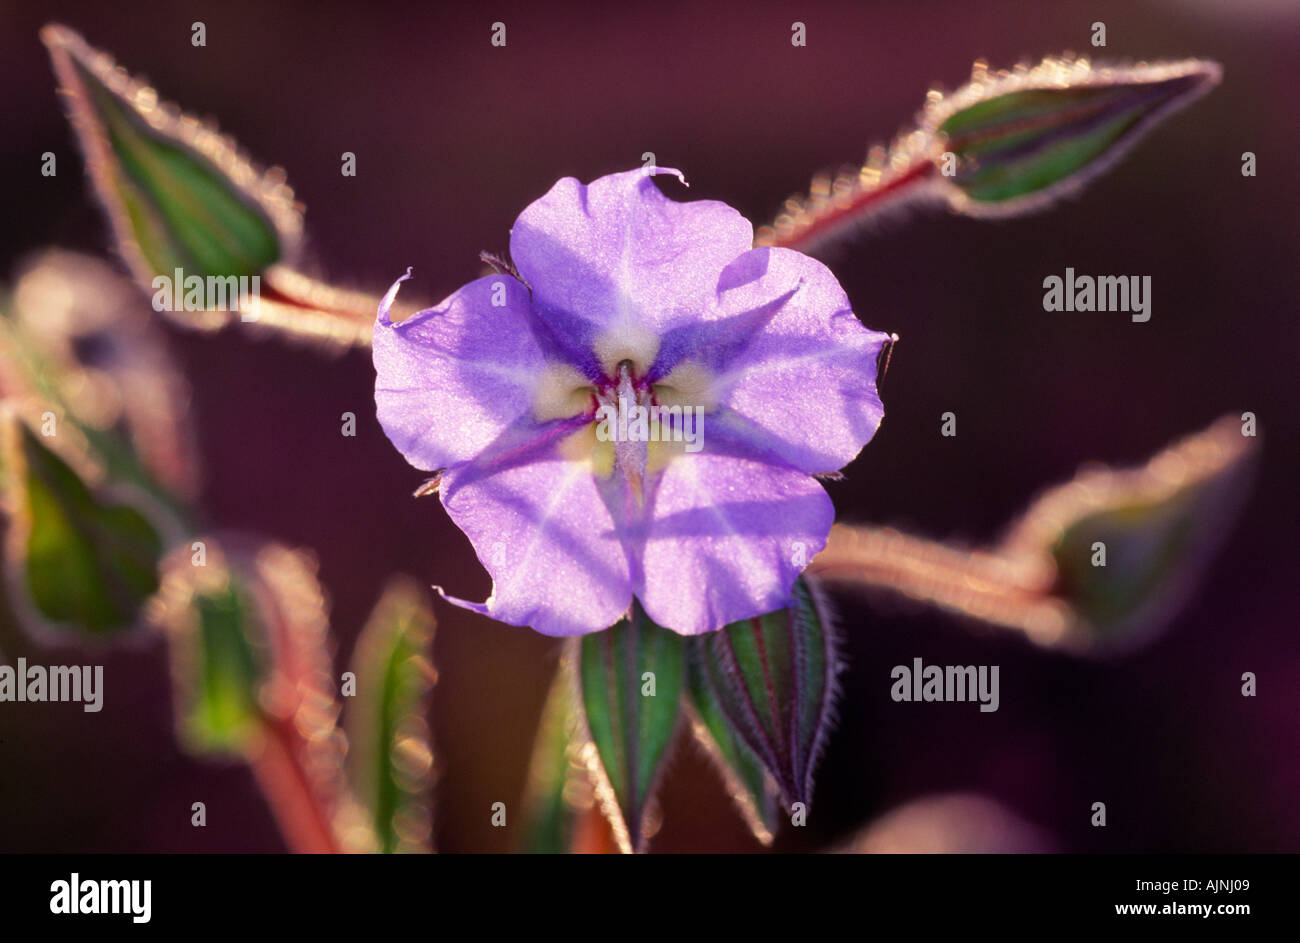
300	305
849	200
592	834
979	584
277	764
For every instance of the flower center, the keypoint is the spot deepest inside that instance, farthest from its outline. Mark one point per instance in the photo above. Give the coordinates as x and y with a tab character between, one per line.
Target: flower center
623	418
637	427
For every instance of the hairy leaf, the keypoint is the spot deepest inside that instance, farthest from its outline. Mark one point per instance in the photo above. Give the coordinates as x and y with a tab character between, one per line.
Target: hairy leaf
1024	138
178	194
749	784
1006	143
631	678
773	678
1102	561
1124	547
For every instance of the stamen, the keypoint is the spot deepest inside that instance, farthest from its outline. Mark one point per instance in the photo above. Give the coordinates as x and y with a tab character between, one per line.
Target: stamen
631	438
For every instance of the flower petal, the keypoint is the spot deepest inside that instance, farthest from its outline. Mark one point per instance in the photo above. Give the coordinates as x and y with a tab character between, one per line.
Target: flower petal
727	534
616	263
541	528
450	379
794	369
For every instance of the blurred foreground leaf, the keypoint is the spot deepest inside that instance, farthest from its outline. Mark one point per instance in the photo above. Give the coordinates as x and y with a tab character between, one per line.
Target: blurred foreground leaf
252	675
557	789
631	678
218	650
82	556
949	824
774	680
391	758
178	194
81	335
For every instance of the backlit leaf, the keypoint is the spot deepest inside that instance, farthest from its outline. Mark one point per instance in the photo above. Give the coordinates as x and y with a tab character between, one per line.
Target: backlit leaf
750	785
1006	143
1123	548
557	788
84	556
391	756
631	678
1026	137
178	194
253	676
774	680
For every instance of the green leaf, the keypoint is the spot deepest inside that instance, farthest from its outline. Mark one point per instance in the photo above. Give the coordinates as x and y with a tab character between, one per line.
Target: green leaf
750	786
177	193
1125	547
1006	143
253	676
83	557
80	336
631	678
223	714
219	656
773	679
553	774
1022	139
391	759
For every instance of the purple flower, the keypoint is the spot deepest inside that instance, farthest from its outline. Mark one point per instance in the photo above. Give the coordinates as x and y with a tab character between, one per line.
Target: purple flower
639	414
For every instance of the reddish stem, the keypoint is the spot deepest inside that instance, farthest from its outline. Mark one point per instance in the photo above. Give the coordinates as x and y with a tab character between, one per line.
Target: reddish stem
592	834
981	584
276	762
817	223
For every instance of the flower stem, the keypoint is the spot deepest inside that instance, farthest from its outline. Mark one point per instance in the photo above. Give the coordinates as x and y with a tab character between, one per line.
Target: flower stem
592	834
276	762
297	304
832	208
980	584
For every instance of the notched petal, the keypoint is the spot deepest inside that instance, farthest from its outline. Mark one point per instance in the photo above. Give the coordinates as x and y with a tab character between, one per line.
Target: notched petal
545	535
450	379
798	371
726	536
616	259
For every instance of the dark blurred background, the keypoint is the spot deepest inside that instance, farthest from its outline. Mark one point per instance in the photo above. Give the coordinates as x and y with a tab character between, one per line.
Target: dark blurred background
454	137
